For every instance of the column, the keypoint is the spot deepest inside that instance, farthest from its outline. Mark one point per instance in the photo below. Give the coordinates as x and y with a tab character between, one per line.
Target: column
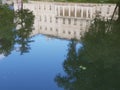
63	7
75	10
91	13
69	11
81	12
87	12
58	12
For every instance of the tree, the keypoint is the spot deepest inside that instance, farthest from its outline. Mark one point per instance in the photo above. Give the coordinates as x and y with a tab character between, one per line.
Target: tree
9	36
25	19
6	30
97	64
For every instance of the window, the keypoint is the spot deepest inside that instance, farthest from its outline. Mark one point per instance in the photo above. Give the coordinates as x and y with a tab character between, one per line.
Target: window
50	19
69	21
56	30
44	7
69	32
33	28
81	28
80	33
57	10
61	12
108	9
74	33
66	12
40	18
75	21
56	20
45	19
84	13
50	7
81	24
73	12
63	20
63	31
88	13
79	13
40	27
45	28
50	29
39	7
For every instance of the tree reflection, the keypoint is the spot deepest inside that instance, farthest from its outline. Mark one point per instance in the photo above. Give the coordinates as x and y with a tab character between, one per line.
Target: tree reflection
24	20
96	66
15	28
6	30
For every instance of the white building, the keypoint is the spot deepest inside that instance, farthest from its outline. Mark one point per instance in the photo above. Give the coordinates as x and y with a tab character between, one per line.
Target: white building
65	20
7	1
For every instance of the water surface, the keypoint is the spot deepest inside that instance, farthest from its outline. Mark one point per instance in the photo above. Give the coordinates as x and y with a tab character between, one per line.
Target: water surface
49	48
36	69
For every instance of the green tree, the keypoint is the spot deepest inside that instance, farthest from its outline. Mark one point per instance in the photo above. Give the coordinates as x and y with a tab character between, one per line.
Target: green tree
6	29
9	36
25	19
96	66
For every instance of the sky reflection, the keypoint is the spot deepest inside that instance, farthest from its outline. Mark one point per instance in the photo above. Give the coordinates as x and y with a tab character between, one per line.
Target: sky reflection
34	70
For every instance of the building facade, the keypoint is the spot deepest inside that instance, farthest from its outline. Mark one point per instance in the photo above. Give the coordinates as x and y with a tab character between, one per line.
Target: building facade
65	20
7	1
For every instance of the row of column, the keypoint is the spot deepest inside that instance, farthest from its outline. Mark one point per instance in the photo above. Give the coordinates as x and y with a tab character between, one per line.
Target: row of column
74	11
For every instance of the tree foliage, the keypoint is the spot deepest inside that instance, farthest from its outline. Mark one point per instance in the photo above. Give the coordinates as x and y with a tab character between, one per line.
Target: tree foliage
96	66
6	30
9	36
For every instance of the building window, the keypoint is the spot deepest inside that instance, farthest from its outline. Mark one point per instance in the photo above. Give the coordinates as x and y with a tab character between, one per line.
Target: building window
84	13
63	20
56	20
50	19
40	18
45	19
74	33
81	29
69	32
56	30
63	31
88	13
66	12
50	29
79	13
50	7
75	21
44	7
39	7
61	11
57	10
33	28
40	27
69	21
108	9
73	12
45	28
81	24
81	33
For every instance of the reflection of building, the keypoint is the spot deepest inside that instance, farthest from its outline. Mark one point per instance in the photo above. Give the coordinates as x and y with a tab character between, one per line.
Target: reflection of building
6	1
65	20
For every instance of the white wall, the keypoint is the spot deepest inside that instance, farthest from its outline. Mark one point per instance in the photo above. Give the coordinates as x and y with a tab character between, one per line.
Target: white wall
51	17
